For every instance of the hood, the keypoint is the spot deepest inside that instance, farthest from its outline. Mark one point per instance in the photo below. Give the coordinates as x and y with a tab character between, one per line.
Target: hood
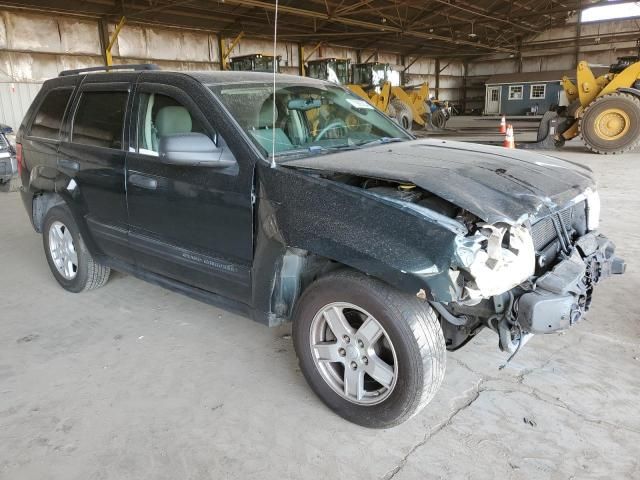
493	183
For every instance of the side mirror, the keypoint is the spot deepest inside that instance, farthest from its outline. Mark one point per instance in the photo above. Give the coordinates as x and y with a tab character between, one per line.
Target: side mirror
192	149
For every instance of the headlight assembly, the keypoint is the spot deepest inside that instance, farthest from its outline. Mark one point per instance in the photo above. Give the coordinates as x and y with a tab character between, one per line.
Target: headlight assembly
498	257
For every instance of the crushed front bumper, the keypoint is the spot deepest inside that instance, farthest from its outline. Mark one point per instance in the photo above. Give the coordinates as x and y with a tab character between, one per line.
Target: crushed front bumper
563	294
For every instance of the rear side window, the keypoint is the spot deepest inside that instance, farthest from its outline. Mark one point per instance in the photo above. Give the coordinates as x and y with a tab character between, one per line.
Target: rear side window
99	119
47	121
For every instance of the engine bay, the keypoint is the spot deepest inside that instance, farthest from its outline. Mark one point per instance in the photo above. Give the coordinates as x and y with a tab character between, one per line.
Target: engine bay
406	192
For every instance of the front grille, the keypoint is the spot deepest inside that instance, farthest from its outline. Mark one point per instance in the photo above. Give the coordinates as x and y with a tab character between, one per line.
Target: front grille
574	218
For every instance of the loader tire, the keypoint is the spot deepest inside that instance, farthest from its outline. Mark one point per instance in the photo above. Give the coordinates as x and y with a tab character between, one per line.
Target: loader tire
391	111
439	119
610	125
404	115
543	129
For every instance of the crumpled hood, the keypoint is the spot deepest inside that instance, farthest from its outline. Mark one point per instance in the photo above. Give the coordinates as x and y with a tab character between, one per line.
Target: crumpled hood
493	183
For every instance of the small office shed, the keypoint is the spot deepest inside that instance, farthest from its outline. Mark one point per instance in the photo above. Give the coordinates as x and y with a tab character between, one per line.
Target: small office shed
523	93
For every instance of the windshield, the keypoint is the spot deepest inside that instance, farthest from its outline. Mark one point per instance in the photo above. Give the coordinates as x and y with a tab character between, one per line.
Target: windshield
309	119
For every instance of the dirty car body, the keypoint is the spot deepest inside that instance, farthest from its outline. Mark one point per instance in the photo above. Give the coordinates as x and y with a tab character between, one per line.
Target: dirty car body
310	205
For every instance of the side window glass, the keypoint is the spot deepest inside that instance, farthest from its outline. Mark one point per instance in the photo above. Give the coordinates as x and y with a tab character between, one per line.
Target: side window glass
99	119
160	116
47	121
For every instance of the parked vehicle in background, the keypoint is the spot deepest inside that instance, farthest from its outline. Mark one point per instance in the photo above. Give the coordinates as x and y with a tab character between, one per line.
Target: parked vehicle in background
335	70
385	251
8	163
255	62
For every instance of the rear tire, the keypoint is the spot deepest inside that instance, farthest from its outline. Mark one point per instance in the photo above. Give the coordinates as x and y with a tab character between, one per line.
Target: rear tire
439	119
611	124
69	260
404	115
410	344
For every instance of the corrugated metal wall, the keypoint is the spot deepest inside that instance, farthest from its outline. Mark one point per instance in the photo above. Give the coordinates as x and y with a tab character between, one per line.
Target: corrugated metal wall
15	99
34	47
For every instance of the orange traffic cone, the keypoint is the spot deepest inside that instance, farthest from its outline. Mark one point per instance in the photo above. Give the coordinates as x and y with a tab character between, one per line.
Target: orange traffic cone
503	125
509	141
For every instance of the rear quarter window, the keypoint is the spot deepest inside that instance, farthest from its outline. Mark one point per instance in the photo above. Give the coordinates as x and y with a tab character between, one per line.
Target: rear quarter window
99	119
48	119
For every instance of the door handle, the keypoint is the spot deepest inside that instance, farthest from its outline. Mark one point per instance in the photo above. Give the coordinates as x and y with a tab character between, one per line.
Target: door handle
68	164
143	181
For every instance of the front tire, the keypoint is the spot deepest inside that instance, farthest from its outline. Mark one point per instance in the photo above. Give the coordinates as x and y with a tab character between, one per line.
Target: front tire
69	260
374	355
403	114
611	124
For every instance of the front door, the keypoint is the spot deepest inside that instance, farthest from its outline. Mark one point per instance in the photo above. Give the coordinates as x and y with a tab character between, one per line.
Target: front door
493	101
190	223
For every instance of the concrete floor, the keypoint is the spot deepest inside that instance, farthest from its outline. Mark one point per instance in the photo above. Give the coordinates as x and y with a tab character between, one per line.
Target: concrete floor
132	382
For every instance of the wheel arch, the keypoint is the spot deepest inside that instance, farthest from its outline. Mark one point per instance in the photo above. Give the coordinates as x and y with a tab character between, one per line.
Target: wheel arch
41	204
632	91
44	200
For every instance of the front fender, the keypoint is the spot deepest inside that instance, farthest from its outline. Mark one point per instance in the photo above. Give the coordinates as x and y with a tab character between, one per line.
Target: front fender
633	91
393	241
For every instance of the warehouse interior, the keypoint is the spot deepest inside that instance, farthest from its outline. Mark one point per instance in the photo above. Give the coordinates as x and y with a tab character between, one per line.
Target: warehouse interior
136	381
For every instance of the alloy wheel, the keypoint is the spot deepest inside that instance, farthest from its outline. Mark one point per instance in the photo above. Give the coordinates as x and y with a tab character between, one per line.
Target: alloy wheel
62	250
353	353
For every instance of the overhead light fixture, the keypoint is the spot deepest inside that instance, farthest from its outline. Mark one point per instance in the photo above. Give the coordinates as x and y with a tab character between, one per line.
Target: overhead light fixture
472	34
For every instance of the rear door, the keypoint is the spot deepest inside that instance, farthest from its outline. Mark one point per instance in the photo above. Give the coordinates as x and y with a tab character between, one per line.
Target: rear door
191	223
92	152
40	138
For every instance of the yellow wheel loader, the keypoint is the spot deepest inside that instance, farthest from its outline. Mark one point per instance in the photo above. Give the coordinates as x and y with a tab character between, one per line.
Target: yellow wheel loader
604	110
379	84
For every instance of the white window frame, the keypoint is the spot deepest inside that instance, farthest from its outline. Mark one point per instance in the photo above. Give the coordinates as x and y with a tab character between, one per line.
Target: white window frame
544	91
511	87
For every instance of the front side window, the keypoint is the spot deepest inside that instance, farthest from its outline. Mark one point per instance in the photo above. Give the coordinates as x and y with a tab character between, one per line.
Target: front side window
515	92
48	120
538	91
160	116
306	118
99	119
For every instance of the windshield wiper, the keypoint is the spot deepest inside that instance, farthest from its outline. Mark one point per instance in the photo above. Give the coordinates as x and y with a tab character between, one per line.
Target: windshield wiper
318	149
381	141
357	146
313	149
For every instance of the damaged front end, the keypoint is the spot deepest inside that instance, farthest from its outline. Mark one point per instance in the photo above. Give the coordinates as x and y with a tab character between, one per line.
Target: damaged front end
530	278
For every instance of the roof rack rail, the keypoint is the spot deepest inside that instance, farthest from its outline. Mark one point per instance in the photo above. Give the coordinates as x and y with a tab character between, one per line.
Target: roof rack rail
133	66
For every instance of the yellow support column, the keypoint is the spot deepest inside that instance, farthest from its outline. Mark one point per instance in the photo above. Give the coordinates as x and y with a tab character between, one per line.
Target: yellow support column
227	52
112	41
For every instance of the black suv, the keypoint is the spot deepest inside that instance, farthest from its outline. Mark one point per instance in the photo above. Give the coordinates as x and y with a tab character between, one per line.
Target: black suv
305	203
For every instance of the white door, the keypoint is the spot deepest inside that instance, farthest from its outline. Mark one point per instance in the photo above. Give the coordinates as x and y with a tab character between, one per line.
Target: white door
492	103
